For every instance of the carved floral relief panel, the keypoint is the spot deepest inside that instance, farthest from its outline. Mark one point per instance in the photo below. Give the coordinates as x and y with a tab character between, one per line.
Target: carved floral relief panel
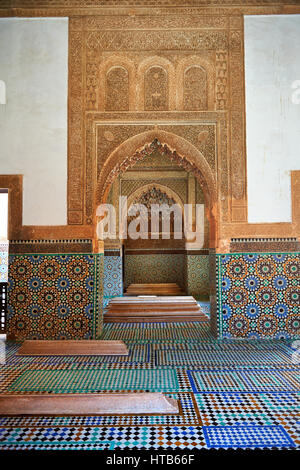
117	89
195	89
156	89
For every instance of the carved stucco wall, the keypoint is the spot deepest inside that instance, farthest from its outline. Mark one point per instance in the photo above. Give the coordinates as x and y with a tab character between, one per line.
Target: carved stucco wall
160	63
160	72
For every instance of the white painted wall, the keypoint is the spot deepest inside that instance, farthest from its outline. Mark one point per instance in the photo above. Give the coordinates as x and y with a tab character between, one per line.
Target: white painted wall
272	64
33	122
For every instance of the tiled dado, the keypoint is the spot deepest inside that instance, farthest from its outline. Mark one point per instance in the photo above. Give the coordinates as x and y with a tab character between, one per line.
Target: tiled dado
197	275
258	295
157	268
113	281
55	296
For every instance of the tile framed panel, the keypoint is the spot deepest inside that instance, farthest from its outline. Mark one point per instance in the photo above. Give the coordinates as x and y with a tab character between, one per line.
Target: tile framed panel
198	276
55	296
258	295
246	437
113	278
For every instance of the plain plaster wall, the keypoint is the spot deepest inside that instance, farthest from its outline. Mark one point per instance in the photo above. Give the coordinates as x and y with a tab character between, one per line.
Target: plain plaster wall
272	68
33	122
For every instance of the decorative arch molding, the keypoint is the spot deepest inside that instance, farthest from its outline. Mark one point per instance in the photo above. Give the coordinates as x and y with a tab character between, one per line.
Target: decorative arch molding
146	187
164	64
135	195
116	61
141	145
183	66
175	147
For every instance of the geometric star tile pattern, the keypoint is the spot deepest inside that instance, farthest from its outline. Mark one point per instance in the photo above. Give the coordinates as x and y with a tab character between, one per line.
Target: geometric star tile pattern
258	295
54	296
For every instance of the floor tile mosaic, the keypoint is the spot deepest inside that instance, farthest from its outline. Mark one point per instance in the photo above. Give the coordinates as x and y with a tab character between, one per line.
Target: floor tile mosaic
205	306
244	381
222	358
86	380
231	394
229	409
247	436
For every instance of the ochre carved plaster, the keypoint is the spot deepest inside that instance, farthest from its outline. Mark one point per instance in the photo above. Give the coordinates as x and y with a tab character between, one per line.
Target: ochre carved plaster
161	65
185	65
172	195
140	145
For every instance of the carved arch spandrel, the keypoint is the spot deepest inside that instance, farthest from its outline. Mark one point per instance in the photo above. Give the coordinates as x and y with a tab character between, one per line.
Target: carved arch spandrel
143	68
108	65
204	64
185	154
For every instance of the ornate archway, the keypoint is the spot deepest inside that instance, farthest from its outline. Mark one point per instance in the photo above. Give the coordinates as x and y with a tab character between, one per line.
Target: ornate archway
168	191
178	149
145	190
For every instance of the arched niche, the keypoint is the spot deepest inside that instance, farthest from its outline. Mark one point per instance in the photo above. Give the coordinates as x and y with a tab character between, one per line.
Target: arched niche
117	89
137	197
122	71
156	76
156	89
195	89
179	150
188	84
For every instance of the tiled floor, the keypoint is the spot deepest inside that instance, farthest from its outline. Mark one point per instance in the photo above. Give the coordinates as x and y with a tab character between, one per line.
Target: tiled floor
234	394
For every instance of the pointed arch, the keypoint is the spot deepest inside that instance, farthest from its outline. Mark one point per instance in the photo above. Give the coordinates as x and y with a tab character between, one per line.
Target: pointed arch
178	149
175	147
